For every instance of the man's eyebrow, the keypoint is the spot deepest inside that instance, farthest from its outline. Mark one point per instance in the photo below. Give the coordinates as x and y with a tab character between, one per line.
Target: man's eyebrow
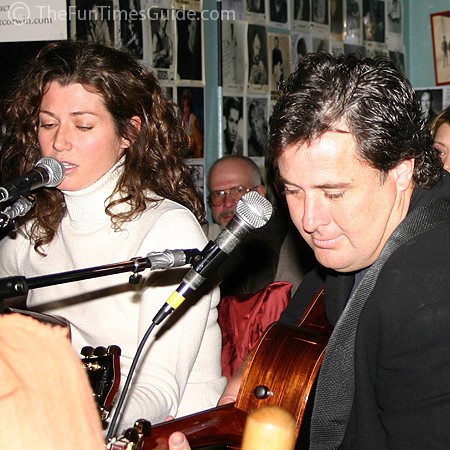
283	180
340	185
333	185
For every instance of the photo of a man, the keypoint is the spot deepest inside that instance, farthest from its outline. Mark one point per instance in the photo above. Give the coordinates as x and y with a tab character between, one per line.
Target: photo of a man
233	143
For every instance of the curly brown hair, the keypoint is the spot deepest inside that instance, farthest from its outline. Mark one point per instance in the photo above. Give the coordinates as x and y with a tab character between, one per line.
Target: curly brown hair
153	162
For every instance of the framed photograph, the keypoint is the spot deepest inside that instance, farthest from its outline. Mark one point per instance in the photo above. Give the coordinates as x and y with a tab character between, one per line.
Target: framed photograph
197	168
440	28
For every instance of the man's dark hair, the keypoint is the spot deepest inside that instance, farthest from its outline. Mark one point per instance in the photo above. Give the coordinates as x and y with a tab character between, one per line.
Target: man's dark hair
232	103
371	97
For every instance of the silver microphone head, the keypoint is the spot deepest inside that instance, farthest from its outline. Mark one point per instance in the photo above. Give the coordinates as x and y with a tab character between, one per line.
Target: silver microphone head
254	209
54	168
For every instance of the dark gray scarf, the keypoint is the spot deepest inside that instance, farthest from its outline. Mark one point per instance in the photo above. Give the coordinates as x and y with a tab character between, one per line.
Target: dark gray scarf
335	386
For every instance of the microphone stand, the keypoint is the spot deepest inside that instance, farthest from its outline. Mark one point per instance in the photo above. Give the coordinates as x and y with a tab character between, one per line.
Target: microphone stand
19	208
20	285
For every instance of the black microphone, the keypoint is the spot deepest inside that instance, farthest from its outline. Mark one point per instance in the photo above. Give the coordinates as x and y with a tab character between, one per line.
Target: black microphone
48	172
252	211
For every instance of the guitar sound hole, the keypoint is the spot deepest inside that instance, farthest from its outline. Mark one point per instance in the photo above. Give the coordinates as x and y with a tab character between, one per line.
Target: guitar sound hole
262	392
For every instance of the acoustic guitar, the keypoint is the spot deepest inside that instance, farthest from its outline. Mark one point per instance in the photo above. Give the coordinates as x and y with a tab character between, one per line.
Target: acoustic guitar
281	371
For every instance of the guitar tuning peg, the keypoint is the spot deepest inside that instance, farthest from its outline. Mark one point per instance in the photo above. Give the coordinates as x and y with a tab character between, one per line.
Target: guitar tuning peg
100	351
143	426
114	350
132	435
87	351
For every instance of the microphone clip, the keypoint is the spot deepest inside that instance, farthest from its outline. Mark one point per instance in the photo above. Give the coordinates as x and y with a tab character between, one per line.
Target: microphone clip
173	258
163	260
18	209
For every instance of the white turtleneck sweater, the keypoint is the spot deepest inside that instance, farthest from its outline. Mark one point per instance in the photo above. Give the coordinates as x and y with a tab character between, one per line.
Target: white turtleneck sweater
179	372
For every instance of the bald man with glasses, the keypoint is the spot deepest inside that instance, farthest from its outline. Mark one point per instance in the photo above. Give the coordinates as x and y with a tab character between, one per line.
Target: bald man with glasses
229	179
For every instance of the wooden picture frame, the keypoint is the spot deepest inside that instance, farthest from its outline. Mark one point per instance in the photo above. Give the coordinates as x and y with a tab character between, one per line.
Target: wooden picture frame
440	28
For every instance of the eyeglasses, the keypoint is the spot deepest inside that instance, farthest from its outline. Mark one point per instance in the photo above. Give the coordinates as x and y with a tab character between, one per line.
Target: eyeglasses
217	198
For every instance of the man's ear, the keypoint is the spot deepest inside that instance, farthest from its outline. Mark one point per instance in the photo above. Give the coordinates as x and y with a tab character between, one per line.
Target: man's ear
135	121
404	174
261	189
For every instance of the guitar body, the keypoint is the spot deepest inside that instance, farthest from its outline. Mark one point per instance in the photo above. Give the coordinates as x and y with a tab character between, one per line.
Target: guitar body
281	371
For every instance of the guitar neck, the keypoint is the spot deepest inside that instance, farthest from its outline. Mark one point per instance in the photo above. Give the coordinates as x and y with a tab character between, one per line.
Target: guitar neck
223	425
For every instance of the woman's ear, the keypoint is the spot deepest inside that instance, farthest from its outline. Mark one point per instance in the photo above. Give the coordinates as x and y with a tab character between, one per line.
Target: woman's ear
136	122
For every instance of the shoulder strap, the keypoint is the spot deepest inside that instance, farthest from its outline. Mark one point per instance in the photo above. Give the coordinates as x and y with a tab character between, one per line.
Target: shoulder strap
335	388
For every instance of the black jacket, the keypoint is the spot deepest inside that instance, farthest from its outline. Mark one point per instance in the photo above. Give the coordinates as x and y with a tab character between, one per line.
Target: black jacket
402	351
255	262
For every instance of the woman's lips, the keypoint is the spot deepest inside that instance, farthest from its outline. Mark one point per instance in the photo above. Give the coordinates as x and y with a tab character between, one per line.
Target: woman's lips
69	166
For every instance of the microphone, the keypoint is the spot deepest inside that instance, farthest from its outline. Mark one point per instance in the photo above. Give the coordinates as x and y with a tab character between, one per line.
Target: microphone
17	209
252	211
48	172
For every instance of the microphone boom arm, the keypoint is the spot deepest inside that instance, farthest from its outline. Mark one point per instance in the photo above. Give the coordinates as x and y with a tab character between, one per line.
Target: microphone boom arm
20	285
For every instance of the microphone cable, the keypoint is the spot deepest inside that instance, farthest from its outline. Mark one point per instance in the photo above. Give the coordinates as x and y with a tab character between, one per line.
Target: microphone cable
252	211
126	386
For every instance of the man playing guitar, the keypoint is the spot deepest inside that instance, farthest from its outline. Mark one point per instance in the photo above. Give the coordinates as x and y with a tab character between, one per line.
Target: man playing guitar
368	193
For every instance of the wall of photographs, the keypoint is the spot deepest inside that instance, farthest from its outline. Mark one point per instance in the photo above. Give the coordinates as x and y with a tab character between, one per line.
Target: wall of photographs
436	97
261	42
259	45
264	45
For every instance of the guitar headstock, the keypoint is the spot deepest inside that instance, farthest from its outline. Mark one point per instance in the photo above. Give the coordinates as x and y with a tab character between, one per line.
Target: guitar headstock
103	368
132	438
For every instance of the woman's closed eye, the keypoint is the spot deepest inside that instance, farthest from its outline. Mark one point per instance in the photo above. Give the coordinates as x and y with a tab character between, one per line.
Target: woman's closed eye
47	125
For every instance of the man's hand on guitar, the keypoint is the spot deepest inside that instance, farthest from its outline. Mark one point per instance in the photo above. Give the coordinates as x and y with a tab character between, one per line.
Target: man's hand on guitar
178	441
230	393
